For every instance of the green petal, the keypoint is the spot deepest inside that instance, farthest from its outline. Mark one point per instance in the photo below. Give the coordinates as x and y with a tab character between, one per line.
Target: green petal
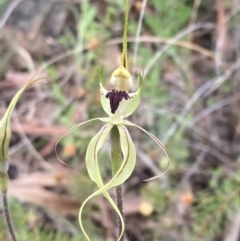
125	170
126	107
125	122
93	170
91	156
104	101
129	157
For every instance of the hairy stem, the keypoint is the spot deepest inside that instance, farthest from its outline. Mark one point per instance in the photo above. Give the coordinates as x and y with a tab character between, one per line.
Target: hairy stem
116	154
8	216
124	61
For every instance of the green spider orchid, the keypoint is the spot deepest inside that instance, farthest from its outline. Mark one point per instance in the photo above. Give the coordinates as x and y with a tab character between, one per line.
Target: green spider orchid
118	104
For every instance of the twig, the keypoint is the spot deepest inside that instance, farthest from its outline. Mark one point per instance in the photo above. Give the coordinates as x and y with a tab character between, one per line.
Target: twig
172	41
27	57
205	90
144	3
212	151
200	131
8	12
44	164
221	36
196	164
192	21
181	34
210	110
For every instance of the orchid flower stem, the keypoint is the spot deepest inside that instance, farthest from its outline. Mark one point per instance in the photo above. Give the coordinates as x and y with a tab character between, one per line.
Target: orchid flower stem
124	61
117	157
8	216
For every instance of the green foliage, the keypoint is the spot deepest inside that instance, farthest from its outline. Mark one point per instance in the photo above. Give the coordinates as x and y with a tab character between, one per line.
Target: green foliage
228	87
162	18
168	17
3	5
157	196
217	206
6	56
29	226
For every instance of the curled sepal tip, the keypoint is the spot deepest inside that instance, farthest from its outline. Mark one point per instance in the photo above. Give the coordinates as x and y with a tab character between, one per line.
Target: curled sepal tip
125	170
160	144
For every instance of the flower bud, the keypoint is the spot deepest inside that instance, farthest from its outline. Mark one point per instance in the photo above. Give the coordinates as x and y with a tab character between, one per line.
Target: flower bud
5	130
5	136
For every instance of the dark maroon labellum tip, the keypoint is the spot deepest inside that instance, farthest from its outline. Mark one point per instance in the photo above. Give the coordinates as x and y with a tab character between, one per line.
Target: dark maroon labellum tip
115	98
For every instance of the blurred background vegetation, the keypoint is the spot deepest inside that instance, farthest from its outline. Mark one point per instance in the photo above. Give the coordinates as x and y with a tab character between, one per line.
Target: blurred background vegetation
189	52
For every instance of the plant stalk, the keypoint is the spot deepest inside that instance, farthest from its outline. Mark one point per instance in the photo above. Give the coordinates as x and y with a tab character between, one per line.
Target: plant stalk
8	217
116	156
124	61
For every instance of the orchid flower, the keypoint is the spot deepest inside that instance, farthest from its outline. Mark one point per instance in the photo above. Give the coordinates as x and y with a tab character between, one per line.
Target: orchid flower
118	104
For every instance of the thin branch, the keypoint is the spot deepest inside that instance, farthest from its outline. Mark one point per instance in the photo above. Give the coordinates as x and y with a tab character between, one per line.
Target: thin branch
204	91
144	3
8	12
181	34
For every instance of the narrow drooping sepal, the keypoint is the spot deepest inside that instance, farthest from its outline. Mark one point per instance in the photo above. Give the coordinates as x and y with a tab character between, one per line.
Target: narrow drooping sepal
92	153
94	172
160	144
125	170
129	156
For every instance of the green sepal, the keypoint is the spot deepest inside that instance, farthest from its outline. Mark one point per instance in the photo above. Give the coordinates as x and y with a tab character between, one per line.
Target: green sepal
159	143
125	170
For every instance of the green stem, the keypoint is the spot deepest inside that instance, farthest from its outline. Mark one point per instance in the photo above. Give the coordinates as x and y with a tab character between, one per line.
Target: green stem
116	154
3	189
8	216
124	61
